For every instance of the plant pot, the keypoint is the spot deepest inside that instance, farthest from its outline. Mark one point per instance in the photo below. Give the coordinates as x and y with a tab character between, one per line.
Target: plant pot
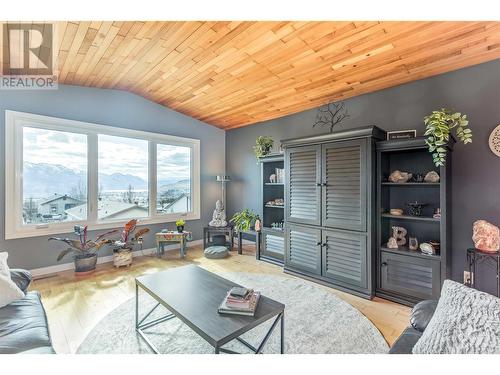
180	228
85	264
122	257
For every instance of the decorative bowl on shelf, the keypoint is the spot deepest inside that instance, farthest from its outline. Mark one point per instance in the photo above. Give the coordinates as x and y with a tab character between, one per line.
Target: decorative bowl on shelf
415	208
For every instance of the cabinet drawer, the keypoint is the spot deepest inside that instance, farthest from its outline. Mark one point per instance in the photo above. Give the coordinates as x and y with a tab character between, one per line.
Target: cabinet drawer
416	277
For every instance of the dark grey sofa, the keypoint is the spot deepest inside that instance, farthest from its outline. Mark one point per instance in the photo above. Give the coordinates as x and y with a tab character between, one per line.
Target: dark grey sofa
23	323
420	317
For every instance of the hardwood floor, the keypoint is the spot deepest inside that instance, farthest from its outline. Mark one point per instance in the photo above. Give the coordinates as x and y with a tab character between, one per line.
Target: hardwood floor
76	304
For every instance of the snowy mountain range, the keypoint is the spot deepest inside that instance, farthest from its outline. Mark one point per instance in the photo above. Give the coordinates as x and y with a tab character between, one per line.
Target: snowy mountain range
41	180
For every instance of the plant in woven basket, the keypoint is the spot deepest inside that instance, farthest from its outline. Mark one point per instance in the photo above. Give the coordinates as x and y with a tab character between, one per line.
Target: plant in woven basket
128	239
244	220
439	125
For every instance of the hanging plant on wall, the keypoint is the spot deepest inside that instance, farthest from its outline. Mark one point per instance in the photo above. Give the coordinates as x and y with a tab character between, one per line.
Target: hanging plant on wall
439	125
263	146
331	114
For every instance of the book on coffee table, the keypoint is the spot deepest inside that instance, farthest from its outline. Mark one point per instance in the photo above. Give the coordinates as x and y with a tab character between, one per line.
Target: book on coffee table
239	306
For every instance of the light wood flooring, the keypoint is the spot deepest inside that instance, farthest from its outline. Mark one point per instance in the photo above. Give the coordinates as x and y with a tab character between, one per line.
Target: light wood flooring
75	305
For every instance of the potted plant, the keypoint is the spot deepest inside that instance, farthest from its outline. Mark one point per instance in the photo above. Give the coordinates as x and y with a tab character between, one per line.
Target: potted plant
122	248
180	225
244	220
438	129
263	146
84	250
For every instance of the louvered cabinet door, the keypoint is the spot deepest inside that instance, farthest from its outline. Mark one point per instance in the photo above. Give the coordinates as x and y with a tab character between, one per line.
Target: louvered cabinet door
344	257
344	185
302	186
273	246
410	276
303	249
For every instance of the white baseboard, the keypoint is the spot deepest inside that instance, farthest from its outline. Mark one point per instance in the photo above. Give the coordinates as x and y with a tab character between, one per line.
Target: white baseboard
43	271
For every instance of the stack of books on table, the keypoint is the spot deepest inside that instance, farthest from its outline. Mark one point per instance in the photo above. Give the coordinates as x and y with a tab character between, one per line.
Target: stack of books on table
240	301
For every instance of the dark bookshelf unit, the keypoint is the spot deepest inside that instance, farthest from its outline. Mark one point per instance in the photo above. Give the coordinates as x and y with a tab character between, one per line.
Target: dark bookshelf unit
272	248
409	276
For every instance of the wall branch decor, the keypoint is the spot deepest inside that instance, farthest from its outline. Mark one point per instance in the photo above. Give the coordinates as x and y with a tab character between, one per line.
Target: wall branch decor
331	114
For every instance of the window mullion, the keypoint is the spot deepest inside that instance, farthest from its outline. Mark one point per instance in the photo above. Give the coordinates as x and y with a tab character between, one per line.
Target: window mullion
92	178
152	180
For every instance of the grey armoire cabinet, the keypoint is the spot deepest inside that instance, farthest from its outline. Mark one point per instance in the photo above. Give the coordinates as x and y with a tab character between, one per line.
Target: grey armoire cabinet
329	208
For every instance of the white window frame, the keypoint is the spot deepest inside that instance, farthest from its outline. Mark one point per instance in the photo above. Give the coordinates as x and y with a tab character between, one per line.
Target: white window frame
14	123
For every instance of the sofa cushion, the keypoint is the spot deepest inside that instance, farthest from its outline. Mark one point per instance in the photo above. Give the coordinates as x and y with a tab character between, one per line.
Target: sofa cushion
4	267
406	341
216	252
23	326
422	313
465	321
21	278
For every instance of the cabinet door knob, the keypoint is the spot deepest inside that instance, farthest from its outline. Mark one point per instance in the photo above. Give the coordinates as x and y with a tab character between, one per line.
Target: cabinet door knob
324	245
384	264
318	183
324	184
318	244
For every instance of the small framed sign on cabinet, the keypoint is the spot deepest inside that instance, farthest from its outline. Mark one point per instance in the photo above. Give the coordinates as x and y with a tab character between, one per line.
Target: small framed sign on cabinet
401	134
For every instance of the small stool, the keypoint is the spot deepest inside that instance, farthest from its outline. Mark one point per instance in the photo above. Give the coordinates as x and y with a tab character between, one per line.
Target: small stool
216	252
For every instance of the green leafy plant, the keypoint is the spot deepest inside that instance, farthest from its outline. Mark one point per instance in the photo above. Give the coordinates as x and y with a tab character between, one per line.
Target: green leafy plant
83	247
180	223
438	129
263	146
244	220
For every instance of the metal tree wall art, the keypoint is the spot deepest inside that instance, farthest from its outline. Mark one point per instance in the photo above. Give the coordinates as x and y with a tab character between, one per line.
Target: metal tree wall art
331	114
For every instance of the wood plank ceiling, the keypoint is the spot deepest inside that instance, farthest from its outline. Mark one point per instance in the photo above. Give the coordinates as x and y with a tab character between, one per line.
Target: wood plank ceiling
233	74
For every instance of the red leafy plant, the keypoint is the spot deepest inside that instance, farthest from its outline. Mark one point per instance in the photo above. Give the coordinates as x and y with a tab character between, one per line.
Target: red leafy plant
128	238
82	247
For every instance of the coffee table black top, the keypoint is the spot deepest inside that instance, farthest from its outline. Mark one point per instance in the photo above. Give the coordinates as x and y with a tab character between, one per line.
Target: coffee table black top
194	294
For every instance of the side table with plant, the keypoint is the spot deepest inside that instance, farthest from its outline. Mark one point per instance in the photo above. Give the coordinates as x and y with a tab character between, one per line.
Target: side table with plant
84	250
123	248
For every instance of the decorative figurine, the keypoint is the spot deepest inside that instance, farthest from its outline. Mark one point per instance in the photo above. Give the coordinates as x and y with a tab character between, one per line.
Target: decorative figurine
219	216
413	243
486	236
431	176
272	178
399	233
399	177
392	243
418	177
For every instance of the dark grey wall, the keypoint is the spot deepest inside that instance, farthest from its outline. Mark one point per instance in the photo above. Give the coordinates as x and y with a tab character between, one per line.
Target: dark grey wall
476	170
113	108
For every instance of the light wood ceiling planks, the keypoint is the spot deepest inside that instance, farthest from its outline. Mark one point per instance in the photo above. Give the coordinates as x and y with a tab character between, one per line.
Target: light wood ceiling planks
233	74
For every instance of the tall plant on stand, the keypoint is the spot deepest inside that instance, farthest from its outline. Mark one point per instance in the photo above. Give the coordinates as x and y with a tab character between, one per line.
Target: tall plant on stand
122	248
84	250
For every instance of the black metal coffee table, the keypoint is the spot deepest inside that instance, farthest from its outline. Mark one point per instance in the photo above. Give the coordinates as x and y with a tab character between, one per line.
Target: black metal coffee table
193	295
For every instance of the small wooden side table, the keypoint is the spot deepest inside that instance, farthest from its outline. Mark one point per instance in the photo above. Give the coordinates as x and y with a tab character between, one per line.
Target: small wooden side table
208	231
256	234
475	257
172	236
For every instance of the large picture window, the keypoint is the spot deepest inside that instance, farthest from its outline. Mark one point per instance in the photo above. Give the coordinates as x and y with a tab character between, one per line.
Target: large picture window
62	172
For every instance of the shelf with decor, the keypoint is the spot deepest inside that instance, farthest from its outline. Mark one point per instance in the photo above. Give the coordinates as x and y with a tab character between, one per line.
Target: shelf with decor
409	275
272	184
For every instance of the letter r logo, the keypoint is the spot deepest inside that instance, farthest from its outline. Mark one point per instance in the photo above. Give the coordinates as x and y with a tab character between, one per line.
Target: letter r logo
28	49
